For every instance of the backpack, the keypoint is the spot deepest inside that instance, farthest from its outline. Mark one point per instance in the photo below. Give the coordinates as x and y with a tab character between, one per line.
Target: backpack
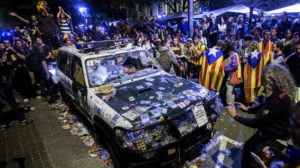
164	60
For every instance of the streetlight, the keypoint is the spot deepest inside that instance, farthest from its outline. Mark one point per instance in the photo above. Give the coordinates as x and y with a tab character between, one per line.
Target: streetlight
83	11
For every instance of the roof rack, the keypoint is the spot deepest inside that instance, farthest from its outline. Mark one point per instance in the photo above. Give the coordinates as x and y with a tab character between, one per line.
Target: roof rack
102	44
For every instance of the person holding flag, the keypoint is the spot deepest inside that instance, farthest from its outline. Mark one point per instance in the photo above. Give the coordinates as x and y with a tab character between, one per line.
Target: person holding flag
212	70
196	51
265	47
252	73
233	67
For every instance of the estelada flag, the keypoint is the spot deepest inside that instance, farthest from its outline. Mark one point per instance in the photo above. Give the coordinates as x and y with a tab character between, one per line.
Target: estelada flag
42	6
266	52
212	70
252	73
67	36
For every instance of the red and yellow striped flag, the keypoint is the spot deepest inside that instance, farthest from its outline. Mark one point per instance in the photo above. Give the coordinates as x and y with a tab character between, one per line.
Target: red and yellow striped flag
212	70
239	70
252	73
266	52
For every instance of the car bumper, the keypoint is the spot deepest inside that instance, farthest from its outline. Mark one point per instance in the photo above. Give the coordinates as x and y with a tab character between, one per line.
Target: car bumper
186	148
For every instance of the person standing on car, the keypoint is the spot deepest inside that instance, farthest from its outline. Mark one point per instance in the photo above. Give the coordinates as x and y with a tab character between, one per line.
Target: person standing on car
167	58
271	117
63	21
47	27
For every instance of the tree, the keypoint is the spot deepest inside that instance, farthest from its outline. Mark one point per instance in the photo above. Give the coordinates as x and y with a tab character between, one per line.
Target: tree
215	4
178	5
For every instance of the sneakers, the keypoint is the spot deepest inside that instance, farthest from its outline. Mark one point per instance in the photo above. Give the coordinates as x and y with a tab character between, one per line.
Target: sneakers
26	101
39	97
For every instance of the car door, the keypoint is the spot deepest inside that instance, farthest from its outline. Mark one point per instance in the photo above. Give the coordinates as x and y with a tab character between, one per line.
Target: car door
64	71
79	87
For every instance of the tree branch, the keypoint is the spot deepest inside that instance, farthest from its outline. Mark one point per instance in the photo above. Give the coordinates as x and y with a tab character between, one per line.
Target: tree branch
184	5
170	5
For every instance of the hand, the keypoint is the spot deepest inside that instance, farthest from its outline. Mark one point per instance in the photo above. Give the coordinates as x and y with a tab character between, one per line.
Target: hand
231	111
265	149
12	14
181	69
4	58
59	8
10	48
241	106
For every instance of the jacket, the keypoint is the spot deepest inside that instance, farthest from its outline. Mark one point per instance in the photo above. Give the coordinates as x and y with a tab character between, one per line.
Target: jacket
233	66
271	117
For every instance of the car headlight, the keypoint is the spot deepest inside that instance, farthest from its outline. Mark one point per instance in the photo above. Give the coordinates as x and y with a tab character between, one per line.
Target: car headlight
146	138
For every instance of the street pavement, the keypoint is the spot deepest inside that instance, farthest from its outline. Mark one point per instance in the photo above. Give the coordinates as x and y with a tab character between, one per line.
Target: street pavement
44	144
230	137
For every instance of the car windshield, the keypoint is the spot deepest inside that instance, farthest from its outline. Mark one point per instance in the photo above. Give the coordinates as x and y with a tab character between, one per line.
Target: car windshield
120	67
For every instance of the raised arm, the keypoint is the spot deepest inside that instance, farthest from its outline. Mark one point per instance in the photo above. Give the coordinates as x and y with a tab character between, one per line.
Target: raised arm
68	16
58	13
19	17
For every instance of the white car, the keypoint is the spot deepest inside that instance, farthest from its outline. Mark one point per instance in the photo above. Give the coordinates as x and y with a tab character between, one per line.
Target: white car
143	115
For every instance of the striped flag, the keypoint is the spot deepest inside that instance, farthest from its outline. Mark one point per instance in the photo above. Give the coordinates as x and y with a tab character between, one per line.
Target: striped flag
239	70
252	72
67	36
266	52
212	70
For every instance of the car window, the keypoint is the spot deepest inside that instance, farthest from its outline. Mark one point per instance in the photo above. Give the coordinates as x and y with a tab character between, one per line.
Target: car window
77	72
64	63
120	67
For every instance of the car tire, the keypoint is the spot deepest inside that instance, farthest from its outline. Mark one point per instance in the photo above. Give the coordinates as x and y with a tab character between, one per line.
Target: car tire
104	139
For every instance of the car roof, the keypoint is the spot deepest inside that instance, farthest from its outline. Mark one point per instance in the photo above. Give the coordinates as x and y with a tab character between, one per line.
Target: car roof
74	51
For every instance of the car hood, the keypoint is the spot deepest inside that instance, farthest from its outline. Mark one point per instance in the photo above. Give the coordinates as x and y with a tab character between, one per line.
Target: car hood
139	101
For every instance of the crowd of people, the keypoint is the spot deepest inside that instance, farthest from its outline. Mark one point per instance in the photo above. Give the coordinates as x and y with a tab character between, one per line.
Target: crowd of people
223	55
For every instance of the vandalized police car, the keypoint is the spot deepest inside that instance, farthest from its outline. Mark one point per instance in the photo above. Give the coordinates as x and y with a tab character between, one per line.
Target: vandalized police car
143	115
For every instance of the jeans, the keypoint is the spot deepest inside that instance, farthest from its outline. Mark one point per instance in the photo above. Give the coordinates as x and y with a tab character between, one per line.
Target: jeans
230	93
41	79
